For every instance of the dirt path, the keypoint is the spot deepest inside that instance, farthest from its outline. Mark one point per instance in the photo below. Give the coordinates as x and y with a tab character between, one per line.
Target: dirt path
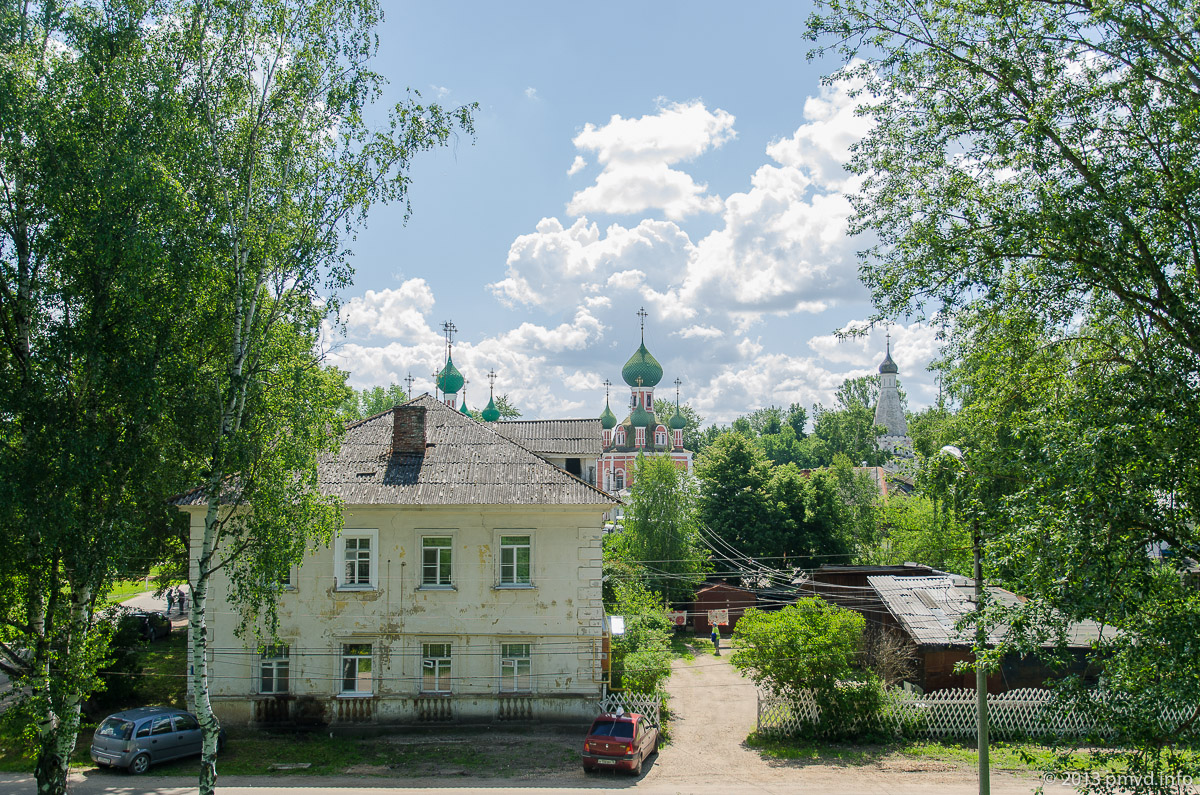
714	709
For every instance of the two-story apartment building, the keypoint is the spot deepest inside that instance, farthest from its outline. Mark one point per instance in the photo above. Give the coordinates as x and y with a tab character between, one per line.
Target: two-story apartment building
465	585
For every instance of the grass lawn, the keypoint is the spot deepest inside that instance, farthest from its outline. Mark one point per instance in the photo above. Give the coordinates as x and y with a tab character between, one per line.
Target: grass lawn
1002	755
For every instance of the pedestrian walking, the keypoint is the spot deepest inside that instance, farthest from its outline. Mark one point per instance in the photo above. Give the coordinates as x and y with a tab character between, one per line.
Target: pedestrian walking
170	600
716	640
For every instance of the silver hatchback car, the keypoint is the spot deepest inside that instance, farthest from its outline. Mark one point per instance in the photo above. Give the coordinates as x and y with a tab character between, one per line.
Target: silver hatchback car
137	738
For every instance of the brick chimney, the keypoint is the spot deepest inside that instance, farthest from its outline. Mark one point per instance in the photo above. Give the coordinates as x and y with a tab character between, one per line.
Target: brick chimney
408	430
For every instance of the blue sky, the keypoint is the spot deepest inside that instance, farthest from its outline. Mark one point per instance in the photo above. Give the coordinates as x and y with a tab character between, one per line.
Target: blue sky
681	157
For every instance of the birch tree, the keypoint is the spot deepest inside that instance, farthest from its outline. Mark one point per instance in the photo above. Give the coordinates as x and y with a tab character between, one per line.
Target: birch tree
92	237
280	90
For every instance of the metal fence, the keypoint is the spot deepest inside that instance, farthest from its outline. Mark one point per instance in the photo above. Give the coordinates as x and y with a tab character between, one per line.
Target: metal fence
949	713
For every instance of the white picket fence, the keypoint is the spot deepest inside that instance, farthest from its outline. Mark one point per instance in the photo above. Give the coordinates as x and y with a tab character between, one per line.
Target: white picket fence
950	713
648	704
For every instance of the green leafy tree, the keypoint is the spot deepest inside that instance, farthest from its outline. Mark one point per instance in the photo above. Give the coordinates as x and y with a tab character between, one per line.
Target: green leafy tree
1055	145
660	528
914	528
811	644
665	410
368	402
734	502
849	427
797	420
507	410
812	647
94	285
641	658
278	90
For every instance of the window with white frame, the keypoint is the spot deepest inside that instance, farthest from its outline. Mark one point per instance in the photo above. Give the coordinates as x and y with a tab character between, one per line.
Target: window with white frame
660	436
357	560
435	667
516	671
274	669
436	559
515	560
356	669
619	479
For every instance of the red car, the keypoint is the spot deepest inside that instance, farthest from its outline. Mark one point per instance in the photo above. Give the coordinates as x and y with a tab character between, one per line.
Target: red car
620	741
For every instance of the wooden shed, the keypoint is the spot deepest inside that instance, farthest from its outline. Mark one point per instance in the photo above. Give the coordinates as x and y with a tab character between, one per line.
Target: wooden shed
720	596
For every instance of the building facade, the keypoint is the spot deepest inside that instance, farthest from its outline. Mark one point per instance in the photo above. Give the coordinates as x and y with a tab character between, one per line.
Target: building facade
642	432
465	586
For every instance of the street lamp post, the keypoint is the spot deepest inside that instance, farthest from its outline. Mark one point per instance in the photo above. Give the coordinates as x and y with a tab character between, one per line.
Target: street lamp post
981	708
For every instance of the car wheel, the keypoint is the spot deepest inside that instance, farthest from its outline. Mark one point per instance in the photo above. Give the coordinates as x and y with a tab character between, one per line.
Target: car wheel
637	769
655	751
587	769
140	764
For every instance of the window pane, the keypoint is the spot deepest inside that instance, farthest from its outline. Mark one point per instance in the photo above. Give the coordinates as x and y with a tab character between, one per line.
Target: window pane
523	564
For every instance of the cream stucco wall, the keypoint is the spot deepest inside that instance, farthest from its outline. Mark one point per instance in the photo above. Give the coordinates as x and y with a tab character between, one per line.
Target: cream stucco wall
560	616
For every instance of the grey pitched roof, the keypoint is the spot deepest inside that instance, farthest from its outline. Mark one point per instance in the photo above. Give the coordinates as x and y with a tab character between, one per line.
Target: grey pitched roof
465	463
574	438
929	608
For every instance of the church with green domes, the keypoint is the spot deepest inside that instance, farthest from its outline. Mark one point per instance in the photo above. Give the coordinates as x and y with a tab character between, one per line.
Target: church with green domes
641	432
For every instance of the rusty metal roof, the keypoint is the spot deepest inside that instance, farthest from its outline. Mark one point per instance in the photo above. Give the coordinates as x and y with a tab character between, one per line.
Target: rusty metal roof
465	463
574	438
929	608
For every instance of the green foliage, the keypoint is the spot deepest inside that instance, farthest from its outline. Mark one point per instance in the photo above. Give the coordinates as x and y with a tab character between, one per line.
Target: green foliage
507	410
812	647
660	531
363	403
1053	144
641	657
769	511
915	528
693	439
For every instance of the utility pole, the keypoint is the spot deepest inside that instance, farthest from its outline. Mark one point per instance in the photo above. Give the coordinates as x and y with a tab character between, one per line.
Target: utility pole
985	782
981	707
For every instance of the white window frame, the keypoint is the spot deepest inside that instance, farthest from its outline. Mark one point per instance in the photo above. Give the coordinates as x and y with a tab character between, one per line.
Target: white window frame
620	436
502	564
438	657
438	585
339	563
353	652
618	479
273	661
660	435
511	665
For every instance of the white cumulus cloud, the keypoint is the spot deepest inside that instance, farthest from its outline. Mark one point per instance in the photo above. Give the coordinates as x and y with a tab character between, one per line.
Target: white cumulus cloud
637	155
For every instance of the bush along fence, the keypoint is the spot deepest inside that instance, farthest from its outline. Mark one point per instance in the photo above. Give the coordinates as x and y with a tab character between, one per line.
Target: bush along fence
648	704
942	713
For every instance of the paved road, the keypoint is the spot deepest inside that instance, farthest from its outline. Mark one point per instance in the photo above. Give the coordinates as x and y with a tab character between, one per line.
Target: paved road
714	708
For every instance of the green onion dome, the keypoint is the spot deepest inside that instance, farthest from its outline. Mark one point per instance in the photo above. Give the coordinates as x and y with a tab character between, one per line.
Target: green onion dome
677	423
640	418
450	380
491	413
608	420
642	365
463	409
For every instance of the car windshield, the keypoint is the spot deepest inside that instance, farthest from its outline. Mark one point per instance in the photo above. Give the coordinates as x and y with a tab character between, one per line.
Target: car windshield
621	729
115	728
